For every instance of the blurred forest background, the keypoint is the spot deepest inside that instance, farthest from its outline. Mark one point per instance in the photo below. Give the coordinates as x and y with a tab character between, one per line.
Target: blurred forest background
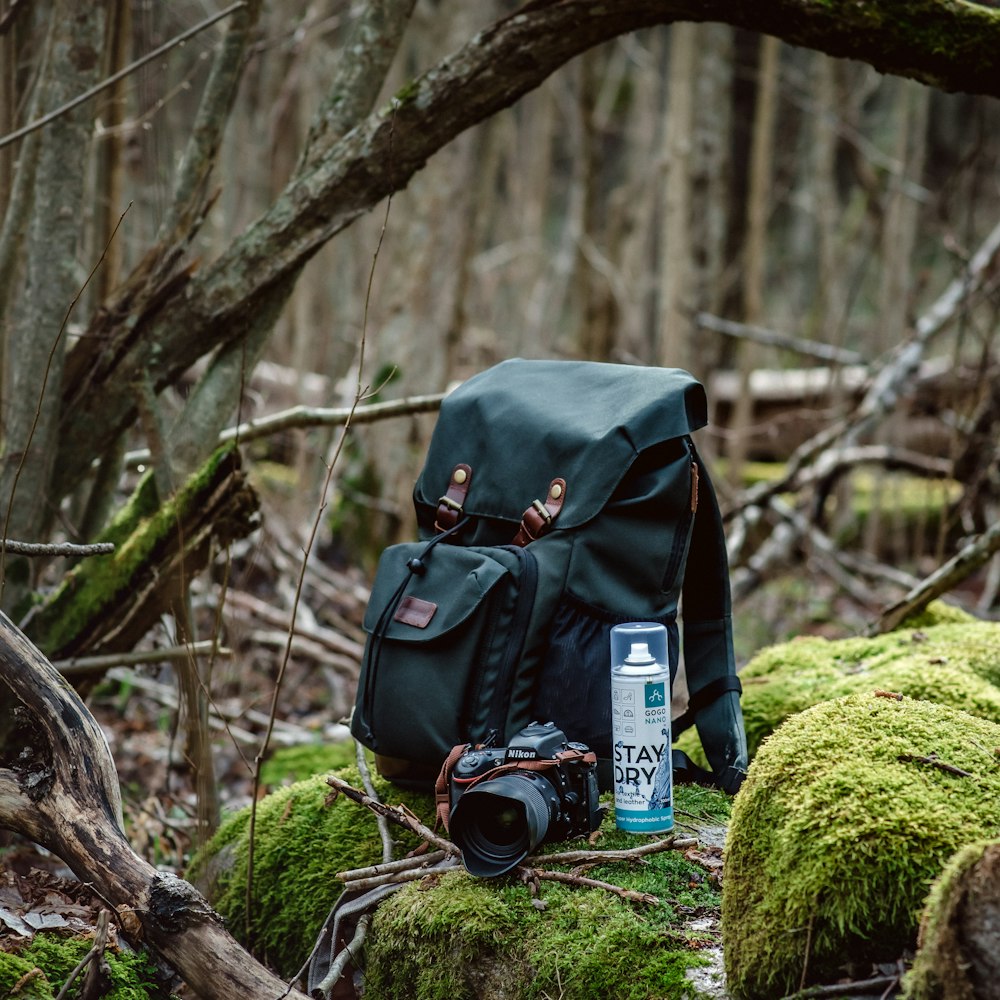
785	225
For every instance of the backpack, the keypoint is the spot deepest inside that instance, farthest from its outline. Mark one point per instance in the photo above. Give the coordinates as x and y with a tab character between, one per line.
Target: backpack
557	499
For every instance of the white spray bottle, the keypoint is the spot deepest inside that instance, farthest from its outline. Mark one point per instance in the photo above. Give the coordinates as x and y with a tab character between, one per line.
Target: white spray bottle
640	728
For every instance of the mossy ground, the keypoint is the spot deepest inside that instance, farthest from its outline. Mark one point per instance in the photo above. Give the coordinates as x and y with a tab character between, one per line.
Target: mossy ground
943	655
455	936
39	970
838	832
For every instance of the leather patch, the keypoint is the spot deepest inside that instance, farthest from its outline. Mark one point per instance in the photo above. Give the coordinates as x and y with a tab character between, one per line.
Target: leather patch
413	611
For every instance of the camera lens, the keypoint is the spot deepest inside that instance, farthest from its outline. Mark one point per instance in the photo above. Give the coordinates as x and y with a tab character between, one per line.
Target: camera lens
500	821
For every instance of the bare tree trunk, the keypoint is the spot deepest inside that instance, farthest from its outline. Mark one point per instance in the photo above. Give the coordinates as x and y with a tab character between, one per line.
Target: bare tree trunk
755	249
676	313
895	293
36	338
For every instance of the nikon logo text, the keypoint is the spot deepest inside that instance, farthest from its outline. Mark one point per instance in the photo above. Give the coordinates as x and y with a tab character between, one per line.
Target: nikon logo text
515	753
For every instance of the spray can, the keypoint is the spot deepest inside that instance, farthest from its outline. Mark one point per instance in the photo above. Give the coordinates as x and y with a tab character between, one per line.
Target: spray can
640	727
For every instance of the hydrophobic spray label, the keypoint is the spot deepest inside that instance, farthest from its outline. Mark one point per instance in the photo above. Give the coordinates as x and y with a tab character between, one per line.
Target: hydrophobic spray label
640	717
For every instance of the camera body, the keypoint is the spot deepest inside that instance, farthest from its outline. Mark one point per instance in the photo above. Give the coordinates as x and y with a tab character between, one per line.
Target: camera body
505	801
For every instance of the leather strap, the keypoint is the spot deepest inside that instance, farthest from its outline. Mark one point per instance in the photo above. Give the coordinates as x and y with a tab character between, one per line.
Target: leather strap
450	506
704	697
443	783
538	518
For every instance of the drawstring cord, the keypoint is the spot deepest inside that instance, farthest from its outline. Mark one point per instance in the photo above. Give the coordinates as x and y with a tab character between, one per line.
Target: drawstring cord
414	567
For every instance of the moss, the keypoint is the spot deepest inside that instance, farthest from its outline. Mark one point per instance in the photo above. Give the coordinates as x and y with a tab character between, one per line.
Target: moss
137	531
956	663
939	613
838	831
132	975
481	938
455	936
22	979
301	843
291	764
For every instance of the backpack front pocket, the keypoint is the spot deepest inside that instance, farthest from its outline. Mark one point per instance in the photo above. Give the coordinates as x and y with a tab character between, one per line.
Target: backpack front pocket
442	663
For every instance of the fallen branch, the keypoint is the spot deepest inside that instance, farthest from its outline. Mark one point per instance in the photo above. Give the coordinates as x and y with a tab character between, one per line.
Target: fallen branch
57	548
974	555
760	335
75	812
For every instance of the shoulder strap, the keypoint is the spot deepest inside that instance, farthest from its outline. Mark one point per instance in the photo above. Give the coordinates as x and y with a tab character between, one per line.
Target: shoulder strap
709	663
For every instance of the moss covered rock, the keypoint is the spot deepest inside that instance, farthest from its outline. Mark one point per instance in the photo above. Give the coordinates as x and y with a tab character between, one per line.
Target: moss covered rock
848	812
455	936
302	840
944	656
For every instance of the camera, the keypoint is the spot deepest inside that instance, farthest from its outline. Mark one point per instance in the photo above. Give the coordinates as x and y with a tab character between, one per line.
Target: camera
506	801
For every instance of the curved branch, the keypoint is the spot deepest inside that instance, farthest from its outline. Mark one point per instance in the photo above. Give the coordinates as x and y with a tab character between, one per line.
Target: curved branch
948	43
58	786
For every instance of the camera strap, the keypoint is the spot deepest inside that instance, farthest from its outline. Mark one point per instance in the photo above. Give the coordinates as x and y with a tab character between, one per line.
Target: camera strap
441	794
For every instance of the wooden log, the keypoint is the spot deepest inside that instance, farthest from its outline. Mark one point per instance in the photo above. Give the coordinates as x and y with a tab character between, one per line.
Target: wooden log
959	953
106	604
59	787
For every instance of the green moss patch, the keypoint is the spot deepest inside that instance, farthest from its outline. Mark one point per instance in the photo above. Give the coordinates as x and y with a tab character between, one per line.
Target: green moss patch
38	970
290	764
848	812
955	663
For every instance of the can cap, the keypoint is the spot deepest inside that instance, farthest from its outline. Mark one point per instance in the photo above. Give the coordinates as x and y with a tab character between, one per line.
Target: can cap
639	654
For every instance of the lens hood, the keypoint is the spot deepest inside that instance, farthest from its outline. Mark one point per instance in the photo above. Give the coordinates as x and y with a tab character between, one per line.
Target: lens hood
500	821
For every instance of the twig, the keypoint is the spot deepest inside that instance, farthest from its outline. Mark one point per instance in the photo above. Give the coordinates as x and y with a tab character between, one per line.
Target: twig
338	964
381	821
303	417
89	664
314	531
568	878
100	943
395	814
390	867
115	77
629	854
57	548
933	760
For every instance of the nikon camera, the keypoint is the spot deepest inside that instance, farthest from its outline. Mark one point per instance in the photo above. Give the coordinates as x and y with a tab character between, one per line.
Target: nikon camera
499	819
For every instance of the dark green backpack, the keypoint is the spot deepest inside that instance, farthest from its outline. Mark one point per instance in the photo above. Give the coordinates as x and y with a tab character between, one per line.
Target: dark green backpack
558	498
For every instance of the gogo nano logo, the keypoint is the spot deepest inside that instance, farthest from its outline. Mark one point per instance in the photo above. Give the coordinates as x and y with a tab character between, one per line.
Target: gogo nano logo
656	695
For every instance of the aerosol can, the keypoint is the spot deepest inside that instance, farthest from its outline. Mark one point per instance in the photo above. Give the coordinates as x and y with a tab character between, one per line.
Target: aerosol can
640	727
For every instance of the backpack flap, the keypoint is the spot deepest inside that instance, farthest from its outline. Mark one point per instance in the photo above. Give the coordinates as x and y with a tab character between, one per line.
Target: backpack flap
520	424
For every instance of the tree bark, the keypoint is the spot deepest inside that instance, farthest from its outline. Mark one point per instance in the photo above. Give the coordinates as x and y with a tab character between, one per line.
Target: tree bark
959	948
58	787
